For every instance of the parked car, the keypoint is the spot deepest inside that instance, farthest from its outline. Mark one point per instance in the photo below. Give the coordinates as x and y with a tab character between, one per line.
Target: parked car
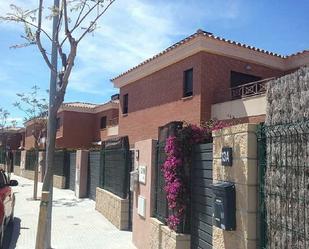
7	203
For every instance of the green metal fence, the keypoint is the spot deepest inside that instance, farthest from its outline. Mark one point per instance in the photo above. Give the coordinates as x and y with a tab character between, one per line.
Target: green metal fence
16	158
161	208
62	163
261	174
31	160
2	156
116	169
284	185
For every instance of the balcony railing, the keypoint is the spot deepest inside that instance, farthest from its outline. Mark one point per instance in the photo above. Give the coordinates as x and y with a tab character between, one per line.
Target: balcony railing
250	89
112	122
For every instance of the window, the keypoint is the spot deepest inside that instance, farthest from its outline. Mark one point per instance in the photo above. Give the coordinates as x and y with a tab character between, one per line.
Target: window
238	79
58	124
188	83
103	122
125	104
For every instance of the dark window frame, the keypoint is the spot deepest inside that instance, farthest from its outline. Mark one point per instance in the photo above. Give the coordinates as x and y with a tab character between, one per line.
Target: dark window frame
239	78
125	104
103	122
188	83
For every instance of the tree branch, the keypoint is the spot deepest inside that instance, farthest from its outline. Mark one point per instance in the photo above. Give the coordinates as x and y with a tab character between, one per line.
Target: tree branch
16	18
38	38
80	13
81	20
95	20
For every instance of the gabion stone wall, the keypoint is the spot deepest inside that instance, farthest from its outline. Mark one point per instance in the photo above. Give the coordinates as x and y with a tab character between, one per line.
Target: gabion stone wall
288	98
286	187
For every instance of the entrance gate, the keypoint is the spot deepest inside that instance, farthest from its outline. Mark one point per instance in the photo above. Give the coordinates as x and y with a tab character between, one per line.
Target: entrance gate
94	170
201	194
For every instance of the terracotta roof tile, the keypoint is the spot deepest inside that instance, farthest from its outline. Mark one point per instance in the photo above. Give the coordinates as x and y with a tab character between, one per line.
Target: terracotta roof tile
206	34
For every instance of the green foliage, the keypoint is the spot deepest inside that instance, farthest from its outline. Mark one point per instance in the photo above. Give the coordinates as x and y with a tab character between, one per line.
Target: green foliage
32	105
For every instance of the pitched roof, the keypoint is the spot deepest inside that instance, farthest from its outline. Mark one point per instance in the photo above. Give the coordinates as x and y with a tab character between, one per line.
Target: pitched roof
88	107
80	104
202	33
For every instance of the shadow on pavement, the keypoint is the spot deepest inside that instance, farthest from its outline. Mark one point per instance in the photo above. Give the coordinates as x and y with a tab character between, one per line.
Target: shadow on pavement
11	234
67	202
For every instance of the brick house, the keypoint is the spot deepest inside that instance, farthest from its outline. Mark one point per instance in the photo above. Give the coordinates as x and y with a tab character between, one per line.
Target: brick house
33	126
187	80
81	125
12	137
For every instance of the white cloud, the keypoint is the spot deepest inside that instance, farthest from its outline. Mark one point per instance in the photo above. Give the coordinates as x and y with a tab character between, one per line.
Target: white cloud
132	31
135	30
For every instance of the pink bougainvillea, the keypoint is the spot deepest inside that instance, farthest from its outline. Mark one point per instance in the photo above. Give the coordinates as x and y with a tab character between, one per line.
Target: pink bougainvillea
178	150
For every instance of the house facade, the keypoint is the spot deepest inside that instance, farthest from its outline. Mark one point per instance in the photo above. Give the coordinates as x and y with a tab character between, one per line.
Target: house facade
188	80
12	138
83	125
79	125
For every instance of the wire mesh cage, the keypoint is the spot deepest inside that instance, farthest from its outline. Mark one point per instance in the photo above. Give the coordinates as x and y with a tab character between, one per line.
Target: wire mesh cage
284	185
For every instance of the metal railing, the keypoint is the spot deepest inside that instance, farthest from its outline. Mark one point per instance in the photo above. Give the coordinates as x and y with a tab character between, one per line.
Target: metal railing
250	89
112	122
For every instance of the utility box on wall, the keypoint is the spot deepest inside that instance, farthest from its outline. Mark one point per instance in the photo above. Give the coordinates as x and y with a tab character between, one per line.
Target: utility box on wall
224	205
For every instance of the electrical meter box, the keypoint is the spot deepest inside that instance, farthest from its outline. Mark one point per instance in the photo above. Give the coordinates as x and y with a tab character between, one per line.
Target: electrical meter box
224	205
133	180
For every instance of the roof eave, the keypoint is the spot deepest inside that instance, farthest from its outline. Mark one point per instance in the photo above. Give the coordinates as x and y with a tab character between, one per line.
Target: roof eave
194	45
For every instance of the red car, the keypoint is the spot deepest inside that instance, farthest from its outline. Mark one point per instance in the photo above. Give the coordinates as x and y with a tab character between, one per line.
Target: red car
7	203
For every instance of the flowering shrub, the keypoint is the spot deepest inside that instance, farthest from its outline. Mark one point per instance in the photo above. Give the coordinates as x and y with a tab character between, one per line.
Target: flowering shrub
174	182
175	171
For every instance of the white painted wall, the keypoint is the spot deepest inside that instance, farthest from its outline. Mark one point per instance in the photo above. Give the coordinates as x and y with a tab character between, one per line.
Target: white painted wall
112	130
251	106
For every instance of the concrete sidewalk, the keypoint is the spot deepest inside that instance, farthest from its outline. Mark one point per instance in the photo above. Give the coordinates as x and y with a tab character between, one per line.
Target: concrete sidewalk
76	224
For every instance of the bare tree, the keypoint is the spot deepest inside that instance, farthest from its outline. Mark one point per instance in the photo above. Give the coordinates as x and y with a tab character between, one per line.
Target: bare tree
72	21
35	109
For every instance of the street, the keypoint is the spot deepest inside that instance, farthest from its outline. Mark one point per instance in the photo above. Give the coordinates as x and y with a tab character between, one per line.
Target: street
76	223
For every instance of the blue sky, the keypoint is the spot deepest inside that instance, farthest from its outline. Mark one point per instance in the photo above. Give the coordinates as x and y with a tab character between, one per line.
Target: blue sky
133	30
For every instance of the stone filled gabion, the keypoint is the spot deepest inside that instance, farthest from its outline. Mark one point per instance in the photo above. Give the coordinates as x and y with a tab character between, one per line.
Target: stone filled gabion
287	156
288	98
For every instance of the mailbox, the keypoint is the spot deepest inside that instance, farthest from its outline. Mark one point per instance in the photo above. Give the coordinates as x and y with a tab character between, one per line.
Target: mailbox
224	205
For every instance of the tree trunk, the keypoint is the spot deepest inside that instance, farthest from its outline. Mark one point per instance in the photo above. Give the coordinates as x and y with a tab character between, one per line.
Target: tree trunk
48	178
50	147
36	173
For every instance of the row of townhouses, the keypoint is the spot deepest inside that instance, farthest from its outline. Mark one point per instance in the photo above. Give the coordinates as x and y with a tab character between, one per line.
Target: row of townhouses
199	78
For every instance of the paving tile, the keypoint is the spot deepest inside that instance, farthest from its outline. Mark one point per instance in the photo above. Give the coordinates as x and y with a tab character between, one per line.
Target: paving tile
76	223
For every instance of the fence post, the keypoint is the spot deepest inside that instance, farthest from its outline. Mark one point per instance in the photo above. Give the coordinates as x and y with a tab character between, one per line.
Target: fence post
81	173
261	171
145	234
22	162
36	174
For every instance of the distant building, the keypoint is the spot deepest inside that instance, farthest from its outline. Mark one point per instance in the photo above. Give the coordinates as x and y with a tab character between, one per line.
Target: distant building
200	77
12	138
83	125
80	125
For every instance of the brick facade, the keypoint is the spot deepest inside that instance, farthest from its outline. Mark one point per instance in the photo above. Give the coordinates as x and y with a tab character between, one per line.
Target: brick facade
112	119
76	130
11	139
79	129
158	98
